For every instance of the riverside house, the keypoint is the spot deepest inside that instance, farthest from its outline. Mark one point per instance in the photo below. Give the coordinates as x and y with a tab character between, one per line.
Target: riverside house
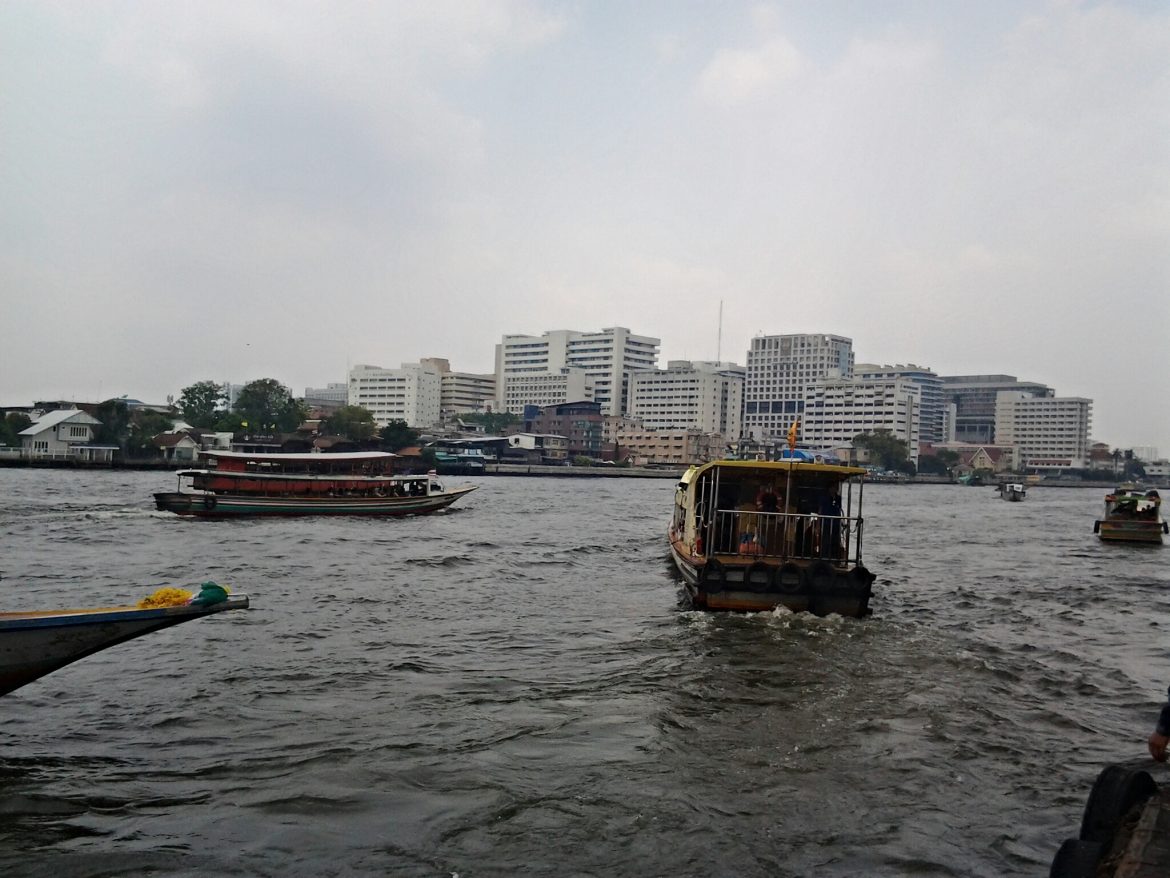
64	434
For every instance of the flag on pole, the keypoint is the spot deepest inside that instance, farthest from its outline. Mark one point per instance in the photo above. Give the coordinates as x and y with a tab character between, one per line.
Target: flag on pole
792	431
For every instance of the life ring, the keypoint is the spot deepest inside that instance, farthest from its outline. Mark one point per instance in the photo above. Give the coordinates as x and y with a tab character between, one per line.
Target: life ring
209	501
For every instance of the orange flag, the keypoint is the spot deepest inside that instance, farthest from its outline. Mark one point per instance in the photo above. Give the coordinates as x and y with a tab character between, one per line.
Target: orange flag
792	434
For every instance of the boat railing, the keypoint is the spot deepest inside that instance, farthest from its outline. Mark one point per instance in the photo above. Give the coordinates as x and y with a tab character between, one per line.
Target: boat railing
784	535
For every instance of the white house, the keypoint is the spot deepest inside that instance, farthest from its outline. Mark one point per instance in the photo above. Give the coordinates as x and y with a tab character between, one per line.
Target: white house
65	434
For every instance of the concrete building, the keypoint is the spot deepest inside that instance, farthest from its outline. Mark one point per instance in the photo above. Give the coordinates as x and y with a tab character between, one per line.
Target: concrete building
579	422
537	449
335	392
544	388
668	447
838	409
1051	432
607	357
463	392
411	393
974	398
687	395
932	418
780	370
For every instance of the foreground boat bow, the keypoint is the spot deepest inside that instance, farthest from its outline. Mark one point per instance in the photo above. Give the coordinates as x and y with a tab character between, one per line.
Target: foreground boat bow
36	643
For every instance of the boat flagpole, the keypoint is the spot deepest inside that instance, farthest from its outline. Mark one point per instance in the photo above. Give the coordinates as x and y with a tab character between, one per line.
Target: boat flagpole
788	488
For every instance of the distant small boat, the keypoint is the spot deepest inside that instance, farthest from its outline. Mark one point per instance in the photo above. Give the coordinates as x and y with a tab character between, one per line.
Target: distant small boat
39	642
1013	491
238	483
1132	516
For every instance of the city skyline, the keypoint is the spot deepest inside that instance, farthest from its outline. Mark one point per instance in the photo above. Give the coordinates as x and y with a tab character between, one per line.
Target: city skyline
232	192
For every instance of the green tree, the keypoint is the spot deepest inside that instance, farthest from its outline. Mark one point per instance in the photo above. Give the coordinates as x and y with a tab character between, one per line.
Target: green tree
11	426
885	450
267	406
493	422
202	403
144	426
115	423
353	422
397	434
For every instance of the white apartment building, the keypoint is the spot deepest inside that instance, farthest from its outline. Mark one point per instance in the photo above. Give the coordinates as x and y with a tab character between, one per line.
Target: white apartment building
463	392
702	396
836	410
780	370
411	393
933	421
545	388
1051	432
607	357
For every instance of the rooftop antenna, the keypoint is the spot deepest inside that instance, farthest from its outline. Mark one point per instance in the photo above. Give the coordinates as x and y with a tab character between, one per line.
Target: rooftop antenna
719	336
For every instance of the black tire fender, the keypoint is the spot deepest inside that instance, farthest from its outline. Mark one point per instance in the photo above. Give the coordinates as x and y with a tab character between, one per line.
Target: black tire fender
209	501
1076	858
1118	788
714	574
788	579
758	577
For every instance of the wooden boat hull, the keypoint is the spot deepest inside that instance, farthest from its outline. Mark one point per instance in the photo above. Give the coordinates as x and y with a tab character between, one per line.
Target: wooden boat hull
761	585
1130	531
37	643
227	506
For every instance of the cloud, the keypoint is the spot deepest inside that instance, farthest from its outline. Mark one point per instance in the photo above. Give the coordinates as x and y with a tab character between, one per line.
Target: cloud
737	76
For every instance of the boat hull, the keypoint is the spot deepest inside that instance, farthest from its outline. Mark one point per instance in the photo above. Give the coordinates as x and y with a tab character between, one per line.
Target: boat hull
228	506
754	585
38	643
1129	531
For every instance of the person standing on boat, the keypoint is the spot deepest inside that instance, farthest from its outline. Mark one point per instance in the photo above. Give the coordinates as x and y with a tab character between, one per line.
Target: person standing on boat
1160	737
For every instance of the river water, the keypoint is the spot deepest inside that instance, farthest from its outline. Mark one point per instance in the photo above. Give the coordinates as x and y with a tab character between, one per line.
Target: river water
515	686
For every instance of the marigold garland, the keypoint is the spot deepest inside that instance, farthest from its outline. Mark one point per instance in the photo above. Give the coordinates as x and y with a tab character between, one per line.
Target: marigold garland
167	596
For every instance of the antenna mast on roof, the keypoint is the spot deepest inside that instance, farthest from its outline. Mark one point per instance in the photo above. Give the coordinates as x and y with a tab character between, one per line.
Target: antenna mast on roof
719	335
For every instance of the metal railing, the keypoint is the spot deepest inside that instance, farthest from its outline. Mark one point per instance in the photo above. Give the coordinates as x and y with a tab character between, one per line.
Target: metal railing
784	535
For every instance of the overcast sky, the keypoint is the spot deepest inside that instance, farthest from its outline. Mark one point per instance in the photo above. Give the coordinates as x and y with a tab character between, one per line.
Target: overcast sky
246	190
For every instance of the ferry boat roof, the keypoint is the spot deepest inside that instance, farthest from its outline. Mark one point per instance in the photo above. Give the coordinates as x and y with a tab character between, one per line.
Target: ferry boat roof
300	457
777	467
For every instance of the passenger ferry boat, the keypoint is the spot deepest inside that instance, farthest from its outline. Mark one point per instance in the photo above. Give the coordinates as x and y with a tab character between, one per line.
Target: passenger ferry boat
756	535
350	483
1132	516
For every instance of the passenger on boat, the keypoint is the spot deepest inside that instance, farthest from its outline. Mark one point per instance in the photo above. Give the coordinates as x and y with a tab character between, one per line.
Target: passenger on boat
830	524
1160	737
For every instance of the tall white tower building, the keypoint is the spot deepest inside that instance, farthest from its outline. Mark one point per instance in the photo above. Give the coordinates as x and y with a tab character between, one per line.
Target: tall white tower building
411	393
780	371
703	396
606	357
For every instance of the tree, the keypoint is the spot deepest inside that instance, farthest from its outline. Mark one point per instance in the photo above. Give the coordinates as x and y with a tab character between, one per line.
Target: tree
267	406
493	422
11	426
352	422
397	434
144	426
202	403
885	450
115	423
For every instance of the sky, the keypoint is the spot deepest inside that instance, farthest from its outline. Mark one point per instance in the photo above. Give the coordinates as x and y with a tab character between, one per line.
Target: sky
230	191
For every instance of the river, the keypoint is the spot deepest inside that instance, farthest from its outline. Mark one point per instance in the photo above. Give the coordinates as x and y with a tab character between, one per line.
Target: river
516	687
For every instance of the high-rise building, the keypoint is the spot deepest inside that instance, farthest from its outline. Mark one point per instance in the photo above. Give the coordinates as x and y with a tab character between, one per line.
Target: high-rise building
932	414
544	388
411	393
686	395
607	357
974	399
780	370
1050	432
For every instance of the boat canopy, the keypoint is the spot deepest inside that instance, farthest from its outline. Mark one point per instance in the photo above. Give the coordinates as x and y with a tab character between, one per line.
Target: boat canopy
831	472
300	457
